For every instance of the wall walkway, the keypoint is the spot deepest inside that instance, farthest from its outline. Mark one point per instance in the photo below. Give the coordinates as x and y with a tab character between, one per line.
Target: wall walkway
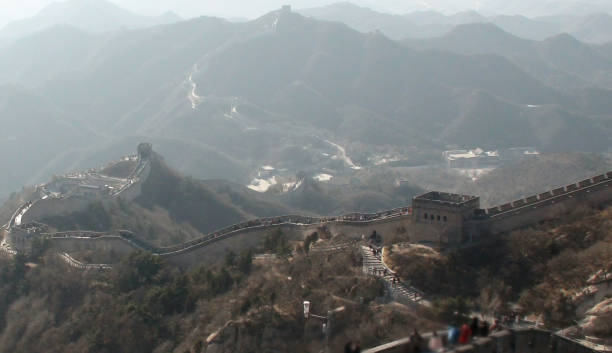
238	237
590	192
507	341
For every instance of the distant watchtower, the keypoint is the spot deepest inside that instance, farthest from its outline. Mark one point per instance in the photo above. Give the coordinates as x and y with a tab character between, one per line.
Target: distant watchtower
144	150
445	213
286	8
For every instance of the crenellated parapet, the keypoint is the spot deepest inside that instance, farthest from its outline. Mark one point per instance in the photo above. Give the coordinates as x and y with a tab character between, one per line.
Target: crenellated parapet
523	340
239	237
552	204
74	192
436	218
574	190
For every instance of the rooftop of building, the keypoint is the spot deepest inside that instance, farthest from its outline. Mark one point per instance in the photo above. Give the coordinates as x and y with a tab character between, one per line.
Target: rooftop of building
466	154
446	198
480	153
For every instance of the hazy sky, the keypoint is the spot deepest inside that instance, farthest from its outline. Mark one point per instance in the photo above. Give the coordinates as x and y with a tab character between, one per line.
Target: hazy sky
15	9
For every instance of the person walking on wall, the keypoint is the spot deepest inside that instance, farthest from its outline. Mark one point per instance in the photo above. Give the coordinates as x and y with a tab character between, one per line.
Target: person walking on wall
416	341
474	326
496	326
435	343
453	335
483	328
466	334
352	347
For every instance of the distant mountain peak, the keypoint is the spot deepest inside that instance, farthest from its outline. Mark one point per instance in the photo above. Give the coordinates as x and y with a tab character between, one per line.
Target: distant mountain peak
478	27
469	16
599	16
564	37
480	30
88	15
345	4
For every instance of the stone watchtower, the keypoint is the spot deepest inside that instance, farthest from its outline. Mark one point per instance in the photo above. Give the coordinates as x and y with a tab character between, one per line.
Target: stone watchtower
144	150
444	215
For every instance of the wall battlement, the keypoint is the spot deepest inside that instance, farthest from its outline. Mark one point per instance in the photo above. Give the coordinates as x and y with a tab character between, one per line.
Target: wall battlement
447	199
73	193
524	340
211	248
439	218
588	185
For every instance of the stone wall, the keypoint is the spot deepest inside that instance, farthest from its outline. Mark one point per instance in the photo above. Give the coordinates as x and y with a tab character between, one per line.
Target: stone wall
214	249
553	204
134	190
520	213
596	183
114	243
50	207
507	341
443	214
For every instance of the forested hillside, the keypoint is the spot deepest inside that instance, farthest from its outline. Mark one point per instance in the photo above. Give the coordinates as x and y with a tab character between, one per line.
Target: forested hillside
541	268
143	305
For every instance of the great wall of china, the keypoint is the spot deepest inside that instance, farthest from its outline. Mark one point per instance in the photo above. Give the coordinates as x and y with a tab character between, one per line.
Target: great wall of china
436	218
523	340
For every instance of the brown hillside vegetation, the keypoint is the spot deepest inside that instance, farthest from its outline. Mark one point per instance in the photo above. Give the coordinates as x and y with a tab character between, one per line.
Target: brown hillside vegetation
539	267
206	205
173	208
143	305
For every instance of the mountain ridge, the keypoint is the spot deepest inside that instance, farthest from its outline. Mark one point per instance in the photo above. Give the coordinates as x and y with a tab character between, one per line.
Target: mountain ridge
186	88
593	26
89	15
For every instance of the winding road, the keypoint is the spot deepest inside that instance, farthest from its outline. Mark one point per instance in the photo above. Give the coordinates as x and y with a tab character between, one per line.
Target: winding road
193	96
343	156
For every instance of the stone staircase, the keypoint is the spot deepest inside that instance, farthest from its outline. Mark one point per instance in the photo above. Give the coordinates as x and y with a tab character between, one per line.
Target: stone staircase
316	248
333	246
399	292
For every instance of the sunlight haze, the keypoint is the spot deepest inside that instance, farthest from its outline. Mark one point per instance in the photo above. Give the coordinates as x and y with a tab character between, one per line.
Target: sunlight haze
306	176
18	9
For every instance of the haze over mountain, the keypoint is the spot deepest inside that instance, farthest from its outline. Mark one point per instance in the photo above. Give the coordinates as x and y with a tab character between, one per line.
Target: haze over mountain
314	96
303	116
592	26
546	7
88	15
561	60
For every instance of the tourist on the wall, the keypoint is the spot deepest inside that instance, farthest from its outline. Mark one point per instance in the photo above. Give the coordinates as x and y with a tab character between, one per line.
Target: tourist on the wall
352	347
435	343
496	326
416	341
453	335
466	334
483	328
475	326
